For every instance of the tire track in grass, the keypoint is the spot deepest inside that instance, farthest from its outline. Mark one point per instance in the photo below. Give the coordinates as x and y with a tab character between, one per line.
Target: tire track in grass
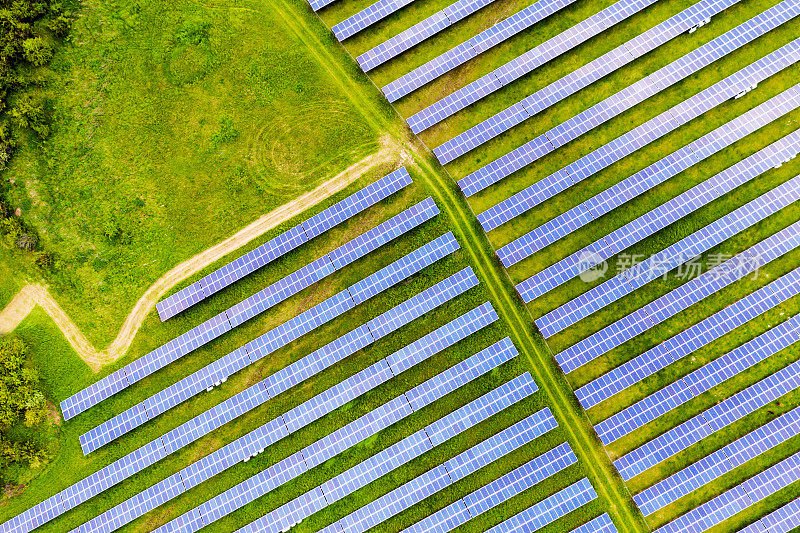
564	404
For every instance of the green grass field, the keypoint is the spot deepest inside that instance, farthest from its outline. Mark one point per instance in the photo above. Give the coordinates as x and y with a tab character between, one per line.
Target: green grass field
179	124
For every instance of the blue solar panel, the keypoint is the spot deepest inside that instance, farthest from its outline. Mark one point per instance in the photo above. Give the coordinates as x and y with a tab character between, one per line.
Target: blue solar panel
550	509
419	32
601	524
639	137
498	491
718	463
273	340
689	340
627	98
471	48
492	402
782	520
249	308
443	337
740	497
316	5
436	479
366	17
525	63
314	226
684	296
713	419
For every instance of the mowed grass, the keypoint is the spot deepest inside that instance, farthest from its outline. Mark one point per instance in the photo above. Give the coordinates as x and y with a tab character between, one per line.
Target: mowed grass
175	125
615	173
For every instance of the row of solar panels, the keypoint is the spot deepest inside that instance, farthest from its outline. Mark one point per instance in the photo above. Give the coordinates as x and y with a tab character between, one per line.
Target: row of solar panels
579	78
310	456
646	179
629	97
246	264
645	134
277	383
271	341
670	258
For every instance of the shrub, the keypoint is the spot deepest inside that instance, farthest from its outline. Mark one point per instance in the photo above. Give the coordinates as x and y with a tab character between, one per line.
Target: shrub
36	51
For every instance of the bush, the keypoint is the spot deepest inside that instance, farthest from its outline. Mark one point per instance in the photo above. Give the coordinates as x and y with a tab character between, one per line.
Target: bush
44	260
36	51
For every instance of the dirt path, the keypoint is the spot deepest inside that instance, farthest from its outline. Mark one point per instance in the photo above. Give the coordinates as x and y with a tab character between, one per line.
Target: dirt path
34	294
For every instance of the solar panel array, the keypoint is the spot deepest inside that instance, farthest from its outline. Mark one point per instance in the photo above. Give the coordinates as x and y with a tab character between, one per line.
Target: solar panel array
726	412
578	79
496	492
668	259
270	387
236	315
738	498
713	466
332	445
684	390
782	520
628	97
268	342
271	250
440	477
548	510
419	32
686	342
680	298
471	48
646	179
398	454
642	135
525	63
601	524
367	16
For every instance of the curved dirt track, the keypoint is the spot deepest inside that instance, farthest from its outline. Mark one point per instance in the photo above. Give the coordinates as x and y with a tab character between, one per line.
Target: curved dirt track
34	294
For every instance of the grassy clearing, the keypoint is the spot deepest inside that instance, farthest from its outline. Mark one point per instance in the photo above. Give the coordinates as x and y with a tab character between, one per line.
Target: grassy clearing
171	133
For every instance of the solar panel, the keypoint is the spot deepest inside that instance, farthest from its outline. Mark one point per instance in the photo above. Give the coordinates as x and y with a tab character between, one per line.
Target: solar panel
316	5
639	137
472	47
270	341
366	17
601	524
689	340
697	428
578	79
443	337
271	250
496	492
549	510
321	450
782	520
678	299
492	402
525	63
627	98
436	479
740	497
419	32
718	463
248	308
662	262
